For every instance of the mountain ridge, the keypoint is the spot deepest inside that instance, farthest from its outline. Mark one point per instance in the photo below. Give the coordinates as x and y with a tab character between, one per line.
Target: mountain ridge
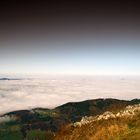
51	121
132	101
123	125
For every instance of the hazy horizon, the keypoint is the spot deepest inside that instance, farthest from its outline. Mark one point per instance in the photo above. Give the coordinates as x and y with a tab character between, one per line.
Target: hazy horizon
52	91
68	51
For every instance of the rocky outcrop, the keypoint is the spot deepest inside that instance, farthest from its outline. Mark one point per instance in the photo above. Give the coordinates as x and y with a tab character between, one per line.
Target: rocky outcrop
129	111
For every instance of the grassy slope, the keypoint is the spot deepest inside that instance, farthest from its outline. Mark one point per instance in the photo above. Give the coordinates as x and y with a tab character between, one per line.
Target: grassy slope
113	129
45	123
132	132
10	131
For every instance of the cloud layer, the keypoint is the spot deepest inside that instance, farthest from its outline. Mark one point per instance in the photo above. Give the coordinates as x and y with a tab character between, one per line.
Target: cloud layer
51	92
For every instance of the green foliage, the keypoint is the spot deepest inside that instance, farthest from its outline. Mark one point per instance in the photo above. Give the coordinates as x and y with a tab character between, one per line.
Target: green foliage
44	123
11	135
39	135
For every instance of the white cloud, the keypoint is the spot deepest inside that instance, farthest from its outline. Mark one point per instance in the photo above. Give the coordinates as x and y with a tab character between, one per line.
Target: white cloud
50	92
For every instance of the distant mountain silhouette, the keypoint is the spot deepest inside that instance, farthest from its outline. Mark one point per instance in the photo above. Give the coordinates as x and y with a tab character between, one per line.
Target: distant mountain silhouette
9	79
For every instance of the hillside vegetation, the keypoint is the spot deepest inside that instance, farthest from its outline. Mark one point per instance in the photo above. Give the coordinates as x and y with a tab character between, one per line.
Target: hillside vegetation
124	125
46	124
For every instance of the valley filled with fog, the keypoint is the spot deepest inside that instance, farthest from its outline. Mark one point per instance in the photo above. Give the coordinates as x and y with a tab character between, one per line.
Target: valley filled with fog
49	92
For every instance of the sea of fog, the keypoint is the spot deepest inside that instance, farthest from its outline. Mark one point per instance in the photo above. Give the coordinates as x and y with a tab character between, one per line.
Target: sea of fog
51	91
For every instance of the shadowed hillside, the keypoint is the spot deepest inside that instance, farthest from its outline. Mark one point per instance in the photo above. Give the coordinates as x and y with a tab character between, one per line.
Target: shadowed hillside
123	125
44	124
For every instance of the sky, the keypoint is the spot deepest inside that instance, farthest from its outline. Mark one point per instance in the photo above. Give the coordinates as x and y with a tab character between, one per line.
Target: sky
98	38
55	38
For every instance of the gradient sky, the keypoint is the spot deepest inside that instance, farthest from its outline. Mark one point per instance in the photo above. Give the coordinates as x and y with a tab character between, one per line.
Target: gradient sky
69	38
